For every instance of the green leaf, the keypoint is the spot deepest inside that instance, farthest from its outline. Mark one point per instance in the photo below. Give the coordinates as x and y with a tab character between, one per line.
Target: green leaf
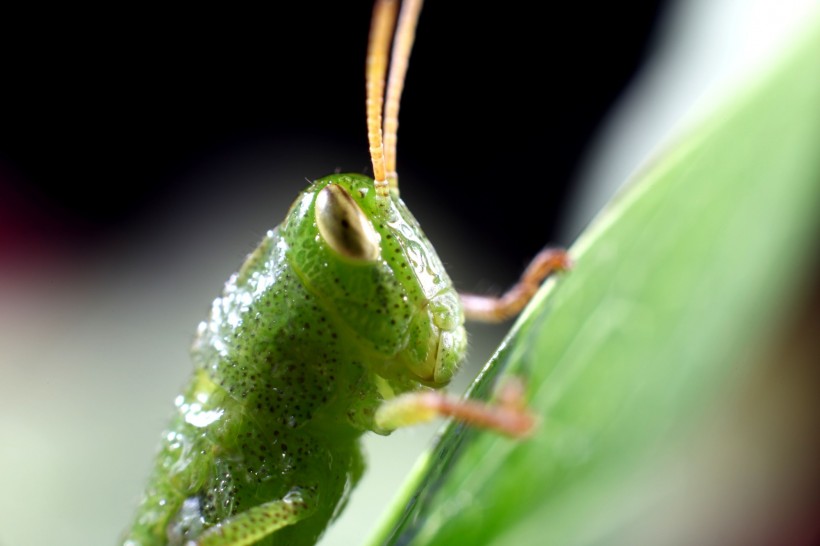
677	285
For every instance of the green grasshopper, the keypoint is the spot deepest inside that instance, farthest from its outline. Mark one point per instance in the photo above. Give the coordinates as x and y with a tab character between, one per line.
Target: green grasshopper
342	321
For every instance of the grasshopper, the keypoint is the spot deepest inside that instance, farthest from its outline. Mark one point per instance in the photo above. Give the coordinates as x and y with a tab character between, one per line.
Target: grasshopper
342	321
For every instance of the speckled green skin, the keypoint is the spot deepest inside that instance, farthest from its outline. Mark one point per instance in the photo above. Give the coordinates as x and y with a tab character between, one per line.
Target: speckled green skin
298	352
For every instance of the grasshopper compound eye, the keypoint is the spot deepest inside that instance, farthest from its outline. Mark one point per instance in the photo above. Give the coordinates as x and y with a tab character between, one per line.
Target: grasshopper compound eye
344	226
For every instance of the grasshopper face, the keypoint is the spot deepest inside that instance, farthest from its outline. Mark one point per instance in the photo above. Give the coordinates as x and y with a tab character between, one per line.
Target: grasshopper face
368	262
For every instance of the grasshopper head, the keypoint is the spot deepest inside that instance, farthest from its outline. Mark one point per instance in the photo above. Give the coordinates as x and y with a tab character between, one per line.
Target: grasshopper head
368	263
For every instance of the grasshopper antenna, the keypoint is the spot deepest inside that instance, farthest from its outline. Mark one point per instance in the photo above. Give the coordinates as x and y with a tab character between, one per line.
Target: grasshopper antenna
381	30
402	46
383	114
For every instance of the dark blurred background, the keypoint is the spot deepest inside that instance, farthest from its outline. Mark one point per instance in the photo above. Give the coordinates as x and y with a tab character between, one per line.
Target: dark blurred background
110	115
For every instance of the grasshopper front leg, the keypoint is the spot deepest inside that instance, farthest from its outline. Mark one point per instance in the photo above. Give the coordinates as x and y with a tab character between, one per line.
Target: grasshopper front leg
256	523
508	414
500	308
